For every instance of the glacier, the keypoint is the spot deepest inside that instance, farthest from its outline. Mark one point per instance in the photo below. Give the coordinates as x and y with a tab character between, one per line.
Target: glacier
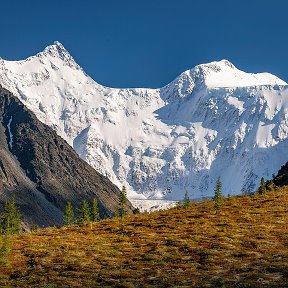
213	120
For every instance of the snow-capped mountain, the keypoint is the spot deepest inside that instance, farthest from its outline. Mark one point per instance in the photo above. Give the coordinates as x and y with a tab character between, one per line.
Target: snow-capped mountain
213	120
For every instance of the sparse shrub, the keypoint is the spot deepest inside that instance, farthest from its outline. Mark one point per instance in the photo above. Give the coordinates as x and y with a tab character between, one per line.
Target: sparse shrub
203	256
34	228
136	210
32	262
116	213
179	205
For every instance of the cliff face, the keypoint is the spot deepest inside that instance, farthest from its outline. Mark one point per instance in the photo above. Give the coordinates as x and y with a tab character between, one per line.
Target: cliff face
42	171
282	177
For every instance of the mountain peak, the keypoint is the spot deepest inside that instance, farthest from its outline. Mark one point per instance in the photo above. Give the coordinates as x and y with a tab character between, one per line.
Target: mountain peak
57	50
227	63
216	74
217	66
57	43
224	74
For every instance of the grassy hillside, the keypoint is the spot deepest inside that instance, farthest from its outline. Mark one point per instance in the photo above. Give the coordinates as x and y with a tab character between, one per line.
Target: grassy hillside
245	245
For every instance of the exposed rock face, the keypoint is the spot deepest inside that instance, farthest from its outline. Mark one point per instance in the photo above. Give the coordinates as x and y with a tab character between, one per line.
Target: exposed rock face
42	171
282	177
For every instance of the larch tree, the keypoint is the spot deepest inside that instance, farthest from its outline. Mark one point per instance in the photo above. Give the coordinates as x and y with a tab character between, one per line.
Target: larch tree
68	214
262	188
95	215
84	213
218	196
10	218
186	201
122	202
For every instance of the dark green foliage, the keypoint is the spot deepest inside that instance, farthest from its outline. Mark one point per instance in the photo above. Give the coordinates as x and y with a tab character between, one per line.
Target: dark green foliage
10	224
136	210
6	245
281	178
34	228
84	213
5	248
68	214
95	216
10	218
218	197
116	213
262	189
186	201
270	186
122	202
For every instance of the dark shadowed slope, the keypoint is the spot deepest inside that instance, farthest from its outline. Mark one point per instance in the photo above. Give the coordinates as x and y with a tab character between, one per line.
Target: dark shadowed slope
282	177
42	171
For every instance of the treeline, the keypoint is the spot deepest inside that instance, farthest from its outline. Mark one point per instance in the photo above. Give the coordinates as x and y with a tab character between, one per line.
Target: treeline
10	217
217	198
85	213
265	186
89	212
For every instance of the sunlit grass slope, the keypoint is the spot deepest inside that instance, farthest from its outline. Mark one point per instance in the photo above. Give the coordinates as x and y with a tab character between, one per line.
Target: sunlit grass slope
244	245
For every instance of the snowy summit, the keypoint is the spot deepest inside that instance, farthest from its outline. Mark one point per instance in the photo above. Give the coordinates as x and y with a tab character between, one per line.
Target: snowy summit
213	120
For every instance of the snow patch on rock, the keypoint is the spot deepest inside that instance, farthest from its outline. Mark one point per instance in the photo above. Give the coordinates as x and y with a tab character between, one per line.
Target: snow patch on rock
10	134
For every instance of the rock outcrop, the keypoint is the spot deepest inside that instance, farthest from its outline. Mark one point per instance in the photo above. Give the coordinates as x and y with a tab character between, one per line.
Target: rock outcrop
42	171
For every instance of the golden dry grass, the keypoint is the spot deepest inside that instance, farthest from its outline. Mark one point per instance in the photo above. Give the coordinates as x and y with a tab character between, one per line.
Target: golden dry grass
245	245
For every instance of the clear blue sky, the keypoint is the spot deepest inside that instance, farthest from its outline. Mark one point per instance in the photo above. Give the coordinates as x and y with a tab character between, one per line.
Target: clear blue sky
147	43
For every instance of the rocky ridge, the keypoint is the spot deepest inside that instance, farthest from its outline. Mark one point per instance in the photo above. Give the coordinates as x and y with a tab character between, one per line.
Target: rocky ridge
42	171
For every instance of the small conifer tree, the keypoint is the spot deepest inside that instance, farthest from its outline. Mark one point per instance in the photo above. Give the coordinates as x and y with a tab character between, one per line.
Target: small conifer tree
84	213
186	201
122	202
270	186
5	248
10	218
218	197
68	214
95	216
136	210
262	188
